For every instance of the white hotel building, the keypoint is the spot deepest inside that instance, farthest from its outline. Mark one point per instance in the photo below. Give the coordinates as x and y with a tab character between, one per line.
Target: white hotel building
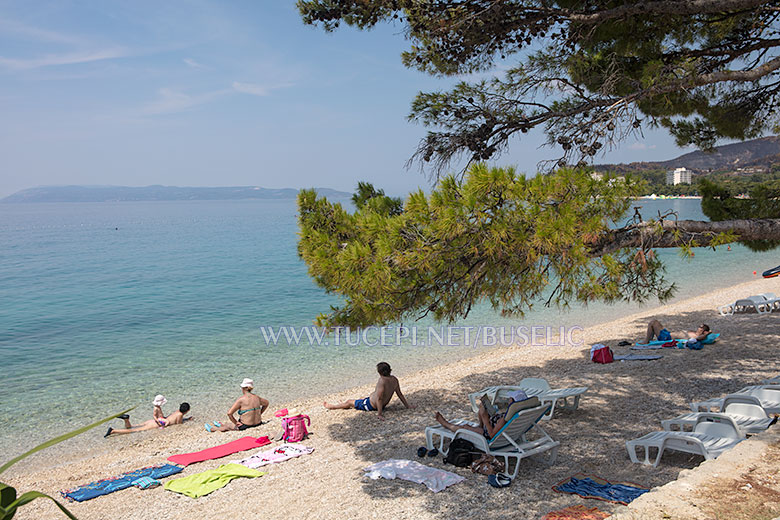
678	176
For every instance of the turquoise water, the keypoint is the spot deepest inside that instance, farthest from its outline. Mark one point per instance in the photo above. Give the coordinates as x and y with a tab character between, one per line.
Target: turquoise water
104	305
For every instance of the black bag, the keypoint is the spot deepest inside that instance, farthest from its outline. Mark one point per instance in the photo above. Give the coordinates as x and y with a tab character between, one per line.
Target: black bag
462	453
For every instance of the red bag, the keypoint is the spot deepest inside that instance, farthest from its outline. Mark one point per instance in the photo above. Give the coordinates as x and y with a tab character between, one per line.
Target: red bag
602	355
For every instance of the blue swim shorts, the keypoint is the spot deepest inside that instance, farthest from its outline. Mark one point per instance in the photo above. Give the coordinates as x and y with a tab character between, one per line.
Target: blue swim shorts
364	404
664	335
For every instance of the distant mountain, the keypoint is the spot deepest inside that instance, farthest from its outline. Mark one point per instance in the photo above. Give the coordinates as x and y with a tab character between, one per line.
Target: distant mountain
146	193
758	152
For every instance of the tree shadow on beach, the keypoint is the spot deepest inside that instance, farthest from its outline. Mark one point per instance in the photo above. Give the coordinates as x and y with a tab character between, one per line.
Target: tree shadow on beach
625	400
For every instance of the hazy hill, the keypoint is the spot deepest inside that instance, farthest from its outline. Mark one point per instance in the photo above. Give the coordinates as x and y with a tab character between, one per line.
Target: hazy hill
147	193
758	152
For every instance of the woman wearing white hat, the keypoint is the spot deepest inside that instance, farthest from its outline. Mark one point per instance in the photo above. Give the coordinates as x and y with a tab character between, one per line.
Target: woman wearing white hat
249	408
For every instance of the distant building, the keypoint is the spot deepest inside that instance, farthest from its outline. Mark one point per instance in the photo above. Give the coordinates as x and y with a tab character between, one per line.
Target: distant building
678	176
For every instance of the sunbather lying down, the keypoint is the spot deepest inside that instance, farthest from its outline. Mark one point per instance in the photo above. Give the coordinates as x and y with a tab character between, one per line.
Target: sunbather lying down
655	329
151	424
489	425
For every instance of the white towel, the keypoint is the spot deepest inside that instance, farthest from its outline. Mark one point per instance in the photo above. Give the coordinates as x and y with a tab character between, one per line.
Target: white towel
435	479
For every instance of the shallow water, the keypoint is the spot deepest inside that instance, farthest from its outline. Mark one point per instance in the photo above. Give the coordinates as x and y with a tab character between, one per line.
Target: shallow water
104	305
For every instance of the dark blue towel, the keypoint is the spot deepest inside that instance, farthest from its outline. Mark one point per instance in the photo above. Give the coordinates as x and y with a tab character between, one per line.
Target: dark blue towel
104	487
589	488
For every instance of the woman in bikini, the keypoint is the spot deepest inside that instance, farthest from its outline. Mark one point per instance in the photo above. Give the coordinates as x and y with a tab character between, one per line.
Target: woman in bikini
249	408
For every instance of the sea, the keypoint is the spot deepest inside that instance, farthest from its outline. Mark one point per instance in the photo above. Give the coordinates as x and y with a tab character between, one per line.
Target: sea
105	305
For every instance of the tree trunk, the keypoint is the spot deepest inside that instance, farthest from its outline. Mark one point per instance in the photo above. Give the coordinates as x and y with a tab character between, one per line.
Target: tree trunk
676	233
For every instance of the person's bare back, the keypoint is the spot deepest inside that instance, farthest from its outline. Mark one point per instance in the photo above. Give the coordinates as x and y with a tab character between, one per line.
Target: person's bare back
380	397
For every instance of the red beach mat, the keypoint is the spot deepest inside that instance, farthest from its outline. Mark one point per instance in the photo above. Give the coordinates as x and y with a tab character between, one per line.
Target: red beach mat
578	512
217	452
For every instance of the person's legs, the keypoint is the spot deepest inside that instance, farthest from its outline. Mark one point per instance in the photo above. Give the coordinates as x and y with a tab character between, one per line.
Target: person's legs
653	328
148	425
227	427
455	427
346	405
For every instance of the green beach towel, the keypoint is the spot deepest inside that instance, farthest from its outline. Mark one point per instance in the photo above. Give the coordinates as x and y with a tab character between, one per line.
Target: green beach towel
204	483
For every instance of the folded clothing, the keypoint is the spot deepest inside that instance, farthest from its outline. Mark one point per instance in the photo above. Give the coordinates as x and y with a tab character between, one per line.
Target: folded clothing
205	482
217	452
123	481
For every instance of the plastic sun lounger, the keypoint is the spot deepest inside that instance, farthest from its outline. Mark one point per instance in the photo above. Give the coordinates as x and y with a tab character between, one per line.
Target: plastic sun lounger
712	435
772	300
758	302
768	396
510	443
562	398
746	410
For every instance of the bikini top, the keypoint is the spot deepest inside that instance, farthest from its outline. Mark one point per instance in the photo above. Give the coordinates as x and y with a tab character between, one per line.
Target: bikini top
242	412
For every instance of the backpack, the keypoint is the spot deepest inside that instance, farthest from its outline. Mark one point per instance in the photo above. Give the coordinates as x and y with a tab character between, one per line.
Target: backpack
461	453
601	354
295	428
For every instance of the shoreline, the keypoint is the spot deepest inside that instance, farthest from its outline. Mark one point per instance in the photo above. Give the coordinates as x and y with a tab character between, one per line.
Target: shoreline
625	400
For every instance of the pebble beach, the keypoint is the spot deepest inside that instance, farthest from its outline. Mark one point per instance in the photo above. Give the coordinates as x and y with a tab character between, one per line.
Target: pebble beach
625	400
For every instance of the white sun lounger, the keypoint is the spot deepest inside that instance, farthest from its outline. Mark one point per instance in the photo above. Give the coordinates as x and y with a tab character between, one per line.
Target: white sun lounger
768	396
562	398
510	443
772	300
746	410
712	435
757	302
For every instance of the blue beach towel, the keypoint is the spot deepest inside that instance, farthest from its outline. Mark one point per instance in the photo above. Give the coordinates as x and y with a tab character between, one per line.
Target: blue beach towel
123	481
590	486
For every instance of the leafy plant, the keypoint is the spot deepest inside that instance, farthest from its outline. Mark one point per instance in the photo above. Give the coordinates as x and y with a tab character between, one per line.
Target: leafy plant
9	502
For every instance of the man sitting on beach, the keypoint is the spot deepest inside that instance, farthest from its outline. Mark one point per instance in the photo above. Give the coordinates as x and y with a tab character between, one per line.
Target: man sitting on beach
151	424
655	329
385	388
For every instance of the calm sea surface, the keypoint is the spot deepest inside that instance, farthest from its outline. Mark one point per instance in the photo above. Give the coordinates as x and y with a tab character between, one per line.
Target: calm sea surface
104	305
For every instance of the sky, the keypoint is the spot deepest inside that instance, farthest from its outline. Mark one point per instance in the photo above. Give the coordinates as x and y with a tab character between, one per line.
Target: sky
207	93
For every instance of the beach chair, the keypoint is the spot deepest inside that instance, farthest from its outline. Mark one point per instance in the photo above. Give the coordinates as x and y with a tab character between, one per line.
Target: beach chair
511	443
772	300
562	398
712	435
757	302
768	396
746	410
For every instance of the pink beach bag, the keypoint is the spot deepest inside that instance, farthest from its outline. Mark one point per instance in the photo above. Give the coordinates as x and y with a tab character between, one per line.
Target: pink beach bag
295	428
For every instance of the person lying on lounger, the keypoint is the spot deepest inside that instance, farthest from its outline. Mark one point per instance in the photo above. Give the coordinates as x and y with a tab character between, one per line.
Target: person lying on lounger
489	425
175	418
655	329
249	407
379	398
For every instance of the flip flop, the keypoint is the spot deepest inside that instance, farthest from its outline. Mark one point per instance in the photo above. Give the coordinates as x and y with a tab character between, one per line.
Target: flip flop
108	432
624	343
123	416
218	424
433	452
208	427
421	451
499	480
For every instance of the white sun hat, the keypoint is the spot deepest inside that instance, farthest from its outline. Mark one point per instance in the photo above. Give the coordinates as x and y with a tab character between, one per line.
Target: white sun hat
247	383
159	400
